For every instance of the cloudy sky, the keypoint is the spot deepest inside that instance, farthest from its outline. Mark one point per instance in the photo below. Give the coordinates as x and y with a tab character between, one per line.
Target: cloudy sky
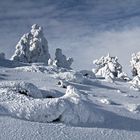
84	29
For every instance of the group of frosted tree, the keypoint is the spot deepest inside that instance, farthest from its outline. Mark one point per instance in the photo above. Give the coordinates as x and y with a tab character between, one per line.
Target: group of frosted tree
33	48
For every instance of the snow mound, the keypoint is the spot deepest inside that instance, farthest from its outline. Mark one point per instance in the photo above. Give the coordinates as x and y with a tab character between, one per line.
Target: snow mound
35	67
18	87
72	108
135	83
133	107
88	74
70	76
32	47
107	101
41	68
109	68
78	109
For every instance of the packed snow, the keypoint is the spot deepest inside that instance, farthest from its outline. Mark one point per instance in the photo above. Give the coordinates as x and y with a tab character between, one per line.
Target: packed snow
18	99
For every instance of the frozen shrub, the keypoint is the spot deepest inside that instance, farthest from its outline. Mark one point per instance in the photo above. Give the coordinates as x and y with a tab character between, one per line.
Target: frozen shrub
61	60
109	68
32	47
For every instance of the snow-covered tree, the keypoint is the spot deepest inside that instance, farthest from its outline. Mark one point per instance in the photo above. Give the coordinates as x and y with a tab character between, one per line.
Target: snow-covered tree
109	68
135	63
32	47
2	55
61	60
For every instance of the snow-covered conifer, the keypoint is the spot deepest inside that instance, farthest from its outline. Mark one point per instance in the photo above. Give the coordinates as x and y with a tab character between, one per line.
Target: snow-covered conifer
135	64
32	47
109	68
61	60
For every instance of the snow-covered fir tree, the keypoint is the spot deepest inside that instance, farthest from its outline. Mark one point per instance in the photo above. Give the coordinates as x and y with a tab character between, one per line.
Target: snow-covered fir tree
32	47
109	68
135	64
61	61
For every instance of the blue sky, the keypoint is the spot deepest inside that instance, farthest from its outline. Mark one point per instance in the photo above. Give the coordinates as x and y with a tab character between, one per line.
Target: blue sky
84	29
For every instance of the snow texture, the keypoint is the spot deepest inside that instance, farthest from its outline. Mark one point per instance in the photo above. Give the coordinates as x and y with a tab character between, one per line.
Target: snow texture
20	87
72	108
32	47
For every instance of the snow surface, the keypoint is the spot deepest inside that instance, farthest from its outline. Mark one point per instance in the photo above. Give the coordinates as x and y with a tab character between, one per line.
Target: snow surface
34	106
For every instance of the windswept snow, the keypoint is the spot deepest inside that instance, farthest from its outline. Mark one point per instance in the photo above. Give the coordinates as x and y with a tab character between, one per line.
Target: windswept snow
71	108
85	102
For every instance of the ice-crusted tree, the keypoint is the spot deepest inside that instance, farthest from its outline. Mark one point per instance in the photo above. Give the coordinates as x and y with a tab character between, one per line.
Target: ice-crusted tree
2	55
32	47
61	60
135	64
109	68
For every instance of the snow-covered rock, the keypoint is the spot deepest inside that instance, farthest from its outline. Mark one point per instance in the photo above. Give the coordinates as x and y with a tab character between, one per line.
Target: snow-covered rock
88	74
32	47
135	83
106	101
135	64
109	68
62	84
133	107
61	60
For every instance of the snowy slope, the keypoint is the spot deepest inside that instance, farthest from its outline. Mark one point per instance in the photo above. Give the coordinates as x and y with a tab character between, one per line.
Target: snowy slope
114	109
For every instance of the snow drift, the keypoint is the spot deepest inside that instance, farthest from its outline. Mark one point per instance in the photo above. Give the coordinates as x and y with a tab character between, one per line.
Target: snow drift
72	108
